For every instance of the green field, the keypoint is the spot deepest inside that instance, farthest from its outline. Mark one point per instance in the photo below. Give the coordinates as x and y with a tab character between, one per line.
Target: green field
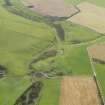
15	54
11	88
97	2
100	69
78	34
51	92
25	36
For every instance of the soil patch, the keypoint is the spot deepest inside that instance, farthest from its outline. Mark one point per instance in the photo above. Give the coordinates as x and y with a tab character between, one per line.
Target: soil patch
90	16
79	90
54	8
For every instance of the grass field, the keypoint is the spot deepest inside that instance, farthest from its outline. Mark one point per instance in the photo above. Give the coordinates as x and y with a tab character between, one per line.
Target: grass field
51	92
100	69
11	88
78	34
97	2
25	35
20	40
15	54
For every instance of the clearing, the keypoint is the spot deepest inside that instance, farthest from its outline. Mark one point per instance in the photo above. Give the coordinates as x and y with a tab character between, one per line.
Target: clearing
79	90
90	16
55	8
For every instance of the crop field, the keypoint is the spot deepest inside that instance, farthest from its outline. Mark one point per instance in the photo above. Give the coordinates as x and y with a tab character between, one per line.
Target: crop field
98	52
46	58
90	16
51	7
77	90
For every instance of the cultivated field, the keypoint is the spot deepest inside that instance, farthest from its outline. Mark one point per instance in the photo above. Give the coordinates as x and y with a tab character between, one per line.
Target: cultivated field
51	7
97	51
90	16
80	90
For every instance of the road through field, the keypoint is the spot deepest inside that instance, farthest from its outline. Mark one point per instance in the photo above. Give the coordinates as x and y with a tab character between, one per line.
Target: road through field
79	90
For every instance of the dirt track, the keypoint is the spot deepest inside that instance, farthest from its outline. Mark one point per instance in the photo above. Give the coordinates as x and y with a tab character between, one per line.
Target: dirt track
97	52
52	7
80	90
91	16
